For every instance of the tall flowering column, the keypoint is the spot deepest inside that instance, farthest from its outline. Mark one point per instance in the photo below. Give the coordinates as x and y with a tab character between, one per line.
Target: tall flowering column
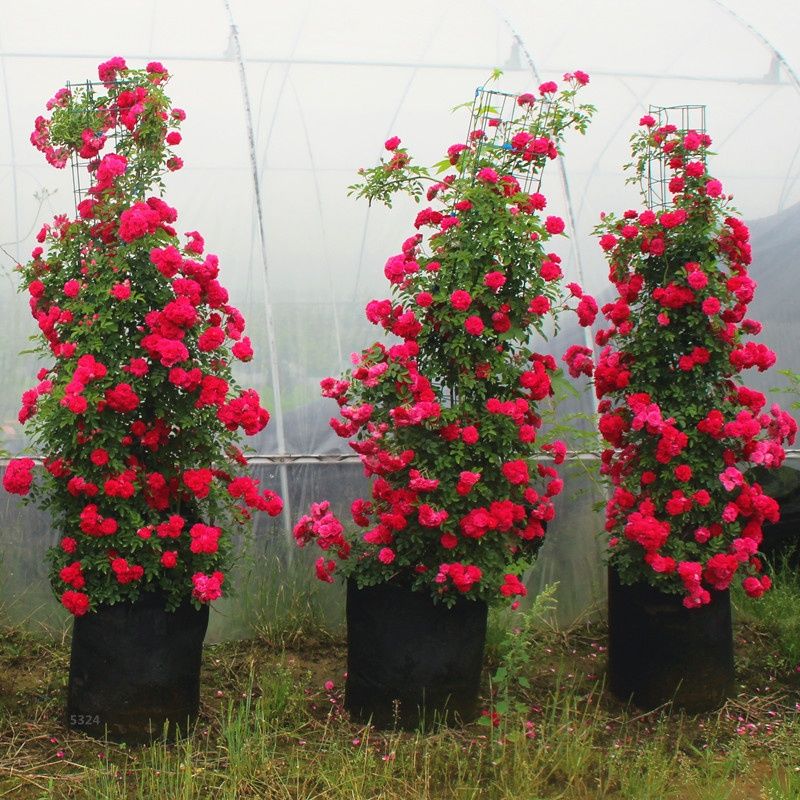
136	414
445	414
682	431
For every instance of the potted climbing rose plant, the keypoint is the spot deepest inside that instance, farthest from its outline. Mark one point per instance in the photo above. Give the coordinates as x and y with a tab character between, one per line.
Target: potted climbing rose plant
684	516
136	414
445	414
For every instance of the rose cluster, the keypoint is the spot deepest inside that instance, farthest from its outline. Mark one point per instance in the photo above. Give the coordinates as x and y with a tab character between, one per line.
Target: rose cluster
682	431
445	417
138	415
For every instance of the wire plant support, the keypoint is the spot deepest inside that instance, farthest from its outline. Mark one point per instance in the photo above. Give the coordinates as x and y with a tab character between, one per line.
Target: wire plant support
81	169
685	118
494	116
79	166
118	140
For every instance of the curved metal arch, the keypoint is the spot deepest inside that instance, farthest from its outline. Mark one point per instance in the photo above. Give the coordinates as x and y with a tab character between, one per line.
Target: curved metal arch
12	148
562	170
389	132
272	121
791	74
268	318
321	214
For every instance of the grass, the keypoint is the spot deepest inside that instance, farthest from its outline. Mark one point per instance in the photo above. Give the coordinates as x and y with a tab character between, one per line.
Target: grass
269	727
778	614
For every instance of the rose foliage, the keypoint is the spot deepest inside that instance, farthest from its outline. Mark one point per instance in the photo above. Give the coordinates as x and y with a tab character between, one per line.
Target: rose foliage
137	416
444	416
682	430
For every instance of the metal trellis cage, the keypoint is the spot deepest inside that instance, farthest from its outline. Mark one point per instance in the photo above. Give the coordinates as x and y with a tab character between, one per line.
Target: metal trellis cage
495	116
685	118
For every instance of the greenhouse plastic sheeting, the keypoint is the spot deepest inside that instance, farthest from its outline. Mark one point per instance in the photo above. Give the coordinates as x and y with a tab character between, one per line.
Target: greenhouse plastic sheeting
286	102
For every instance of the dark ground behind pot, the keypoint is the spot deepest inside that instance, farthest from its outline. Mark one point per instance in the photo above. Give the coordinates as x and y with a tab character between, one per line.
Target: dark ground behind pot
661	652
410	662
135	668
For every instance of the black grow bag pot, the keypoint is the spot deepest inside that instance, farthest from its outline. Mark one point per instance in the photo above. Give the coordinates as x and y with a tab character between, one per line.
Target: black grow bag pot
782	538
135	670
661	652
411	662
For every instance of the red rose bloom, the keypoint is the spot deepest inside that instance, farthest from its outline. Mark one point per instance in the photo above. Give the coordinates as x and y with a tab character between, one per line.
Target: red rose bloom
243	350
516	472
554	225
460	300
99	457
474	325
198	481
77	603
122	398
211	339
18	476
205	538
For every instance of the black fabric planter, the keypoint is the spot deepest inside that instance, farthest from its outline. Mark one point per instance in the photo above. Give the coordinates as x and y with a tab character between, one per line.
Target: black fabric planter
136	668
782	539
661	652
411	662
